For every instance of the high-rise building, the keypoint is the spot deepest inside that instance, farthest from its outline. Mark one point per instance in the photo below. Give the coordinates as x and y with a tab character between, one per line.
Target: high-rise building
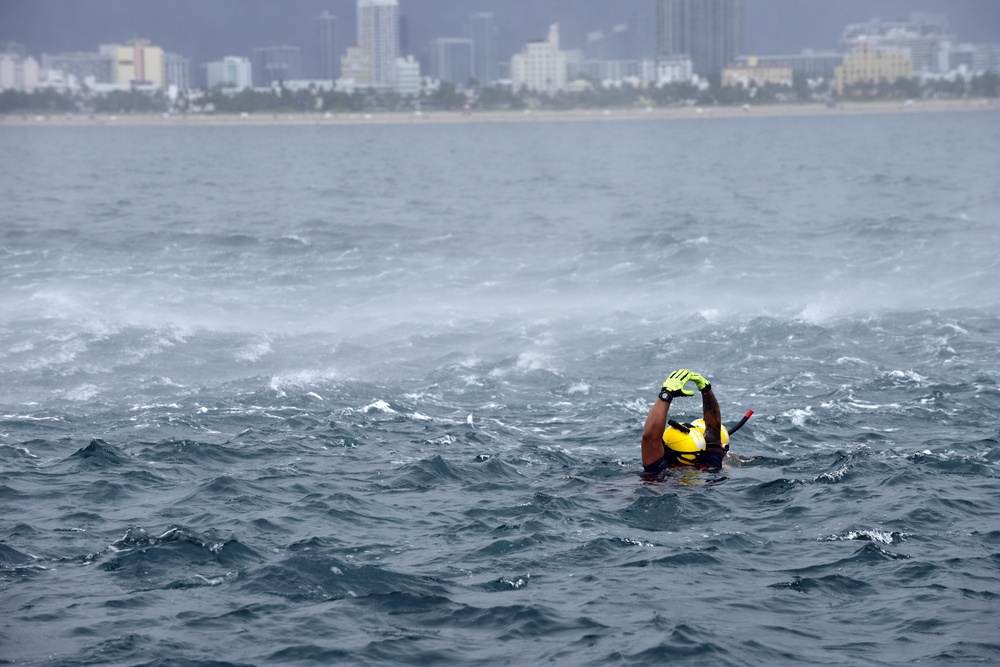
176	71
18	72
137	63
404	35
710	32
482	30
274	64
230	72
615	44
378	36
325	52
541	66
975	57
97	67
451	60
621	45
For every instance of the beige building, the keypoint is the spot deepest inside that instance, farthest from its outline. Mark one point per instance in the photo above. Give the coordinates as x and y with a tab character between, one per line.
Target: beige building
541	66
136	63
870	65
755	74
356	66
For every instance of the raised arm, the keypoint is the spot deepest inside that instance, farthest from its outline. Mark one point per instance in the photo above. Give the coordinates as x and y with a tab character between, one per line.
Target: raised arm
712	459
652	431
713	417
656	420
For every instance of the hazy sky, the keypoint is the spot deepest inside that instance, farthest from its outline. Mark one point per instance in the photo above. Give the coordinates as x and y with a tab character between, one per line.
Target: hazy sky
209	29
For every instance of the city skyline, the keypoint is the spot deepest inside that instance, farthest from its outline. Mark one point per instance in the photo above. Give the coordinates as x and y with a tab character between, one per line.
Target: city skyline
223	28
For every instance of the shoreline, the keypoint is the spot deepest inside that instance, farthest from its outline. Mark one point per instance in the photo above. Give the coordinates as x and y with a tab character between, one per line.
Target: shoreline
458	117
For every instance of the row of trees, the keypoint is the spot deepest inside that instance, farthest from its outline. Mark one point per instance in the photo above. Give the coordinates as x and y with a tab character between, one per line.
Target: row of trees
447	97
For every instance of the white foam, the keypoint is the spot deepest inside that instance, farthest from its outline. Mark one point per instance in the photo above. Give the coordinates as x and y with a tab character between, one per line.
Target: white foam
637	543
885	537
31	418
909	376
637	405
711	314
253	352
84	392
872	407
298	379
834	475
798	416
579	388
515	583
531	361
380	406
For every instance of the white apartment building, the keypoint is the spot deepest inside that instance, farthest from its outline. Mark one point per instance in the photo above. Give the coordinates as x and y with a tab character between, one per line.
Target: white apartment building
541	66
378	37
407	76
668	69
17	73
230	72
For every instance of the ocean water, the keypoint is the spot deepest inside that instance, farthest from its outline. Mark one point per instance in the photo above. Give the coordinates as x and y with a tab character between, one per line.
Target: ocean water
373	395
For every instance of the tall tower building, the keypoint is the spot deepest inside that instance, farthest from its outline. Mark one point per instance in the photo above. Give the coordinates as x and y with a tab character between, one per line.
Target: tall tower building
710	32
274	64
325	54
451	60
378	36
482	30
176	71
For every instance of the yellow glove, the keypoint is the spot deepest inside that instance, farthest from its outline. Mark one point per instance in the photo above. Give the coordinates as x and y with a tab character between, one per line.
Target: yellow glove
674	384
699	381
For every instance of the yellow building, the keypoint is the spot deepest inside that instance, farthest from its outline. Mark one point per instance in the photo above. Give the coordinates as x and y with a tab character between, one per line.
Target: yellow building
138	62
870	65
754	74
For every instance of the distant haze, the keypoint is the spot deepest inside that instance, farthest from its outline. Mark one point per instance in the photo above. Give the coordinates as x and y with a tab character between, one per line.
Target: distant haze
208	29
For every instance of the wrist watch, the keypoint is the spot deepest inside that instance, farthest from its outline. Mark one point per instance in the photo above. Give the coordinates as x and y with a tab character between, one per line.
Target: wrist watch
665	395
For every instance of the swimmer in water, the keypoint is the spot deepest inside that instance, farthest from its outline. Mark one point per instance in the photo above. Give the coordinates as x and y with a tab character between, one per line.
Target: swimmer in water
656	455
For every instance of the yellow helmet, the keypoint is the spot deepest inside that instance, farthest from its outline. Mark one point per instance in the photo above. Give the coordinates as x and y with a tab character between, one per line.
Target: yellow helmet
687	446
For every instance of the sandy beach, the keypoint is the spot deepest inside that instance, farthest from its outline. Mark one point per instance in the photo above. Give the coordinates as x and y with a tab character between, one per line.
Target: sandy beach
534	116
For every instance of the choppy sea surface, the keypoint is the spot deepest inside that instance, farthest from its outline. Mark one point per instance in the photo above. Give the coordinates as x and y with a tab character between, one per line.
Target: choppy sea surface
373	395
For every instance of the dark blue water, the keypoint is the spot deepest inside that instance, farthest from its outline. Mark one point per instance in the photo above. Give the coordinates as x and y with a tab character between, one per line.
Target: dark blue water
373	395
